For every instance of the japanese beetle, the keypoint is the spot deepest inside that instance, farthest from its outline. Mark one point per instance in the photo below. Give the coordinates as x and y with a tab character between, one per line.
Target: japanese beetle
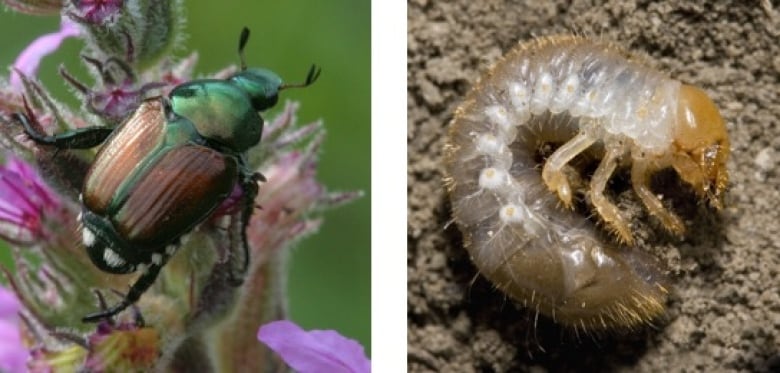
166	168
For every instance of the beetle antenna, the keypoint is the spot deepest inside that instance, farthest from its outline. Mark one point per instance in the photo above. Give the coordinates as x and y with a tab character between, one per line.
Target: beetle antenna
241	44
314	73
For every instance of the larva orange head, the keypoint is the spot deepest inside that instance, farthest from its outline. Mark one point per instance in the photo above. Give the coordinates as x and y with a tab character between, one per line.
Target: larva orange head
702	144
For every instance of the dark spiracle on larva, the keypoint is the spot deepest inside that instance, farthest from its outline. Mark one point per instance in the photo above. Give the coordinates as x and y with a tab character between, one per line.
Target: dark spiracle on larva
516	212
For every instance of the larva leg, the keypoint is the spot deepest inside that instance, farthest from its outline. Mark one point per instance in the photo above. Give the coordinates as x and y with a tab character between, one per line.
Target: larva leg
606	209
553	174
640	178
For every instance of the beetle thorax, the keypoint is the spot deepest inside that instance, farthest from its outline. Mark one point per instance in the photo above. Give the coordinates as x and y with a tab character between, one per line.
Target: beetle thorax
220	111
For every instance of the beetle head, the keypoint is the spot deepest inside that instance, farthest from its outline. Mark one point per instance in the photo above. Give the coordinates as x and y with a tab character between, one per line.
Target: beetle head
263	85
702	144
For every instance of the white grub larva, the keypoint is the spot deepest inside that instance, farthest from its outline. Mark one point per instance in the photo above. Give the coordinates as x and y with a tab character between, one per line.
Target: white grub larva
516	215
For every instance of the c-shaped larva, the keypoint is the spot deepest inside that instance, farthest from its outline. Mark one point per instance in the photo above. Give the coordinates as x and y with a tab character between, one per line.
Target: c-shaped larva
589	96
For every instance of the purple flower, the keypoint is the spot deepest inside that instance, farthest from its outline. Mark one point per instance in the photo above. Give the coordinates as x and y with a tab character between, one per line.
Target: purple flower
24	202
28	61
13	355
97	12
313	351
117	101
119	95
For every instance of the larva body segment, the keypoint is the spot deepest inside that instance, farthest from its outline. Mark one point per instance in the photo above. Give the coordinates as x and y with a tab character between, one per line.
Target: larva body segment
588	96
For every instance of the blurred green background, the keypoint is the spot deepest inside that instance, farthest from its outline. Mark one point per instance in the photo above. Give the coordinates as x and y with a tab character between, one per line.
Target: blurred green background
330	279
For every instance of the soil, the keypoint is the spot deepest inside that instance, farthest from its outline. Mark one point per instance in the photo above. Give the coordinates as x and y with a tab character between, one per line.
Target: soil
724	311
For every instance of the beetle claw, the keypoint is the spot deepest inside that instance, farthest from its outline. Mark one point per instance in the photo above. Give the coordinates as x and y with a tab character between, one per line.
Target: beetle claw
103	305
106	314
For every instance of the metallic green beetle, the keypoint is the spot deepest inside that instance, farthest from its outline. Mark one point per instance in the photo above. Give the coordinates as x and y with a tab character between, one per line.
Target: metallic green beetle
166	168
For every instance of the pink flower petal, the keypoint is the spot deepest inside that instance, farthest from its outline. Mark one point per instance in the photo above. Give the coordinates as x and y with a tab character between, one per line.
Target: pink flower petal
13	355
314	351
9	304
25	201
99	12
29	60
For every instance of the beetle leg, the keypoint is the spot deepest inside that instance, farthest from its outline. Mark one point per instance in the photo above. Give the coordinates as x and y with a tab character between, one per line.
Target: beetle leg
250	188
81	138
606	209
640	178
103	305
553	174
139	287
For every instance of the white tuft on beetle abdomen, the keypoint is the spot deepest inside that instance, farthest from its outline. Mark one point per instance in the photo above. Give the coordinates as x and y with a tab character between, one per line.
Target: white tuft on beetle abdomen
550	258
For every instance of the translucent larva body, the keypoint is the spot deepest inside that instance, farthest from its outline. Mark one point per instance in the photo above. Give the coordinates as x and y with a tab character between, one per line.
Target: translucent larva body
515	212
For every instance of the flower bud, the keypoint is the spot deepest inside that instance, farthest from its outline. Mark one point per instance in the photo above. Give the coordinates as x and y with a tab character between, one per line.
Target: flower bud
138	31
